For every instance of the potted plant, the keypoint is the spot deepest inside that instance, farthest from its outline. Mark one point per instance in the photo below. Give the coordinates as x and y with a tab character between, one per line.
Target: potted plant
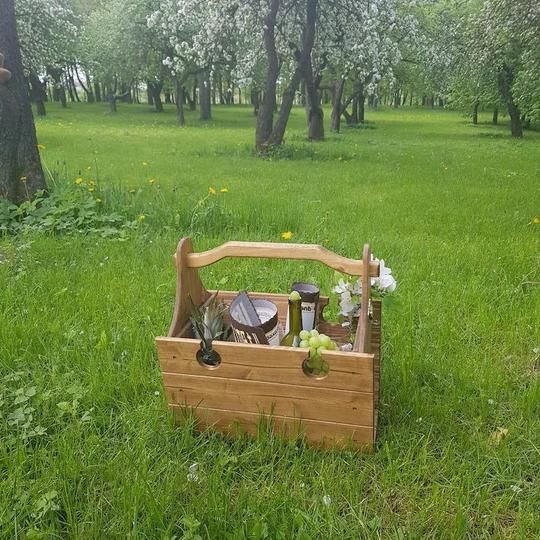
209	325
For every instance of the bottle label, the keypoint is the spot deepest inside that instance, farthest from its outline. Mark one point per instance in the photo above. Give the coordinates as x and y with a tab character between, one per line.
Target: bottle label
308	316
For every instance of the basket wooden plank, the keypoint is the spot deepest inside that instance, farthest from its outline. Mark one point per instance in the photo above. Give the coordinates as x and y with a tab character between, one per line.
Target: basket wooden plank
326	434
348	371
280	399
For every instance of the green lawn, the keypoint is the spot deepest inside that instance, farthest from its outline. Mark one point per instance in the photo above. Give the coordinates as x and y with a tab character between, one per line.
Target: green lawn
87	446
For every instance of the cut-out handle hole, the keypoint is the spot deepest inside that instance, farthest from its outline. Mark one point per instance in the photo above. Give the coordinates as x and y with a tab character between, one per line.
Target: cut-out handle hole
317	368
208	359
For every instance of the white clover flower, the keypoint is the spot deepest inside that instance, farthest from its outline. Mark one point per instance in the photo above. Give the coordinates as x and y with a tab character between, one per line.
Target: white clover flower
327	500
193	475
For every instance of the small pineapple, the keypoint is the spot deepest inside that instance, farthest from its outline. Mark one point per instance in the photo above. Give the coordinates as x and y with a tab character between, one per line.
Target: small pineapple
209	324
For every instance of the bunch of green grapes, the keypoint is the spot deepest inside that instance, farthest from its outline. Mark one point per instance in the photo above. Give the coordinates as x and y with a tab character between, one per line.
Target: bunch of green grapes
316	343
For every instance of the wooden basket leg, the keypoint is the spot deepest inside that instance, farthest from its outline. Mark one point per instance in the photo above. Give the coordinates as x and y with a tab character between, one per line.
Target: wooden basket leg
189	288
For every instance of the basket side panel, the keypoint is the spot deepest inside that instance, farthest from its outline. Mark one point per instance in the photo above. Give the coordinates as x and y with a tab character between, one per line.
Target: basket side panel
376	350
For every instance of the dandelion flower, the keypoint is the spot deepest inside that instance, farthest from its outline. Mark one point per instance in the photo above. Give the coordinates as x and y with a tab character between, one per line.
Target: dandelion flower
224	190
91	183
287	235
41	147
91	189
89	168
142	217
536	220
98	200
23	178
152	181
132	191
78	181
212	190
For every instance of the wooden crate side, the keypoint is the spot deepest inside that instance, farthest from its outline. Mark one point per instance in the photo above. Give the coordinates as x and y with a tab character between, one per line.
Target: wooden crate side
348	371
285	400
327	434
376	350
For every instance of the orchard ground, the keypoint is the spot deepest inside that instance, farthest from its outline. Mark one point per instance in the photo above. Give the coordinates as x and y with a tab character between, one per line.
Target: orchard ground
88	448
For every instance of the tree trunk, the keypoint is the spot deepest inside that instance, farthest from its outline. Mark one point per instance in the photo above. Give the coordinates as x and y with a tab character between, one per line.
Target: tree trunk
168	98
112	103
255	100
62	96
97	91
495	119
149	97
21	174
204	95
71	81
193	100
335	117
475	112
265	114
315	111
37	93
179	89
287	101
155	90
361	106
505	80
86	87
353	120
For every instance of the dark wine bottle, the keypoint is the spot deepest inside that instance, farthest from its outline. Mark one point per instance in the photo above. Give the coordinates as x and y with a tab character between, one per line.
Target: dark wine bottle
292	338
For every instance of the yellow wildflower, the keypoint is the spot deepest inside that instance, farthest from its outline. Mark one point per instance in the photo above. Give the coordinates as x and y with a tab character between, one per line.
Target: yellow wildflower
536	220
89	168
287	235
78	181
142	217
23	178
91	183
224	190
144	164
91	190
132	191
41	147
212	190
98	200
152	181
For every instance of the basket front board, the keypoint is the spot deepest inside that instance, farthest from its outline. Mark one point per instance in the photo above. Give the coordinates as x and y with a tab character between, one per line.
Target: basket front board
257	381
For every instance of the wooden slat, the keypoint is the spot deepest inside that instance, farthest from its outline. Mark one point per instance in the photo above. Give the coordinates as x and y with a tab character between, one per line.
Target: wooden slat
348	371
269	250
376	350
288	400
327	434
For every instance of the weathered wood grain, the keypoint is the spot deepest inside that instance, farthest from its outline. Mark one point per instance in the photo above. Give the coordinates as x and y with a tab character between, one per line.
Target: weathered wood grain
327	434
282	399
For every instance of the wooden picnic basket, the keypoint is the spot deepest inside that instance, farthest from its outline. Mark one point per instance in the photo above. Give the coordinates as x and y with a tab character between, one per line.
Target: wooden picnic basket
259	381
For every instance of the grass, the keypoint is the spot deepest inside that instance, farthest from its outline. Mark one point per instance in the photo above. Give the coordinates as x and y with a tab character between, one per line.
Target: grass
92	451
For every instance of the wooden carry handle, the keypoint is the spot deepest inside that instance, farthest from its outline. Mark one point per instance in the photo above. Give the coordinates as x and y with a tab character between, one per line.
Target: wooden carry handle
270	250
362	340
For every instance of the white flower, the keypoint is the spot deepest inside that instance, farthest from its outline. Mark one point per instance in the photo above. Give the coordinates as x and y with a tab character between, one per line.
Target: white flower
346	304
193	475
516	489
386	281
491	401
341	287
327	500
